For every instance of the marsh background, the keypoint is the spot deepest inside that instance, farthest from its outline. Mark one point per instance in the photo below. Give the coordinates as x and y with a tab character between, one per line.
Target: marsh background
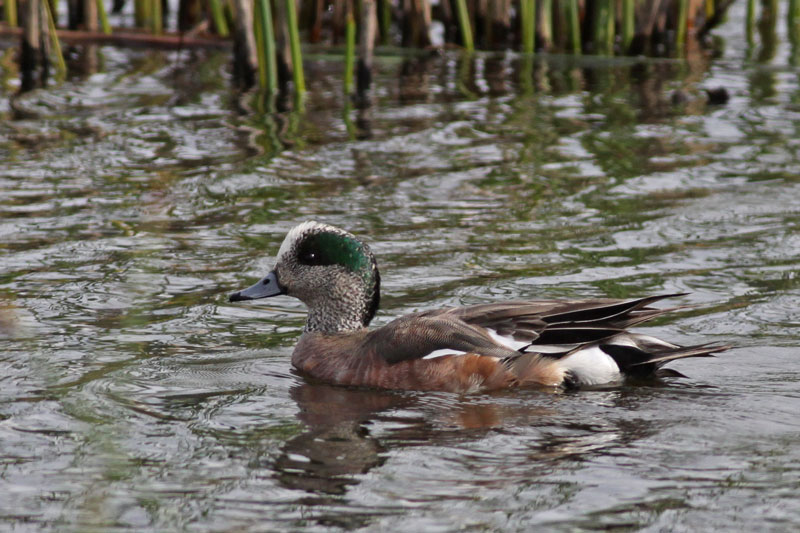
134	397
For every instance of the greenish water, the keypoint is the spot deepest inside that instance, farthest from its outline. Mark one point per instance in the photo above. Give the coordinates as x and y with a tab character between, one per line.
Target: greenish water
134	397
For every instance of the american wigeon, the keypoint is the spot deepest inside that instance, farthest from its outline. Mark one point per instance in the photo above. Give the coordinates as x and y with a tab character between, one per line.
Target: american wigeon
563	343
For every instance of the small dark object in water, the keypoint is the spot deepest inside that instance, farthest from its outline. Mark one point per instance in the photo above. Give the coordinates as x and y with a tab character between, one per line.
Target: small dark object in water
718	96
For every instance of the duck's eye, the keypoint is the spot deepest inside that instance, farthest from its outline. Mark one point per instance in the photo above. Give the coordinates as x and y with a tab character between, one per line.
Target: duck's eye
310	257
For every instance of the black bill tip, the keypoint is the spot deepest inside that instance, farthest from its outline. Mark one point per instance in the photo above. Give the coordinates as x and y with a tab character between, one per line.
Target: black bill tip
237	297
266	287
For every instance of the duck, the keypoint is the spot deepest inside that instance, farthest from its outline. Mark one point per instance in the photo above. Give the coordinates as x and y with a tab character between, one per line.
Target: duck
556	344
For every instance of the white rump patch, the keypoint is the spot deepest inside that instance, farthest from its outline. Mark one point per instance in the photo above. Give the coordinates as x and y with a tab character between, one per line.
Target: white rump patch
592	366
441	353
507	340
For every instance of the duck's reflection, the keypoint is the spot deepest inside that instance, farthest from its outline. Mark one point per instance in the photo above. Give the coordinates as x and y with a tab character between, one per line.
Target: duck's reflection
350	431
337	445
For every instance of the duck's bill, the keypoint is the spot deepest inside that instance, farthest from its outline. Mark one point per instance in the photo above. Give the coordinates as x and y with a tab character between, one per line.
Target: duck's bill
265	288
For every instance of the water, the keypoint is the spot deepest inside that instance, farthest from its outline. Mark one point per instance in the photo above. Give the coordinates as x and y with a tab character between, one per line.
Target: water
134	199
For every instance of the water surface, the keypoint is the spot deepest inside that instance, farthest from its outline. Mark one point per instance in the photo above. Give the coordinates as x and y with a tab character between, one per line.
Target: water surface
134	199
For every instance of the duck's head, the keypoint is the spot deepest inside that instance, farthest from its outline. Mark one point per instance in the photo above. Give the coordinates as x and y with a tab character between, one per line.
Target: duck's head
330	270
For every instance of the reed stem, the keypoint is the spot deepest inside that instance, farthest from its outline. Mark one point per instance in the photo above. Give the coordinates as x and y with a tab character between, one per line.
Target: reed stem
604	27
464	25
610	27
157	22
218	16
366	50
385	8
750	21
683	19
350	53
10	12
528	25
103	16
628	23
61	66
793	21
141	12
546	29
265	36
297	55
574	26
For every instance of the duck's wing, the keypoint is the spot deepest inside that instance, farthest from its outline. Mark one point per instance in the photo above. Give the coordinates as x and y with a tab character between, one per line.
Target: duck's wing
433	335
505	330
523	324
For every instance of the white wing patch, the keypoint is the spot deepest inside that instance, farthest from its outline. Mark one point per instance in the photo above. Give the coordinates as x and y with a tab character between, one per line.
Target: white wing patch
507	340
442	352
647	339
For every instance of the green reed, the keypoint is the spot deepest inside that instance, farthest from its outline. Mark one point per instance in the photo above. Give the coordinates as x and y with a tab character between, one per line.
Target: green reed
464	25
141	12
793	21
156	17
385	21
528	25
265	42
628	24
350	54
10	12
294	43
61	66
603	27
680	34
102	16
218	16
574	26
750	21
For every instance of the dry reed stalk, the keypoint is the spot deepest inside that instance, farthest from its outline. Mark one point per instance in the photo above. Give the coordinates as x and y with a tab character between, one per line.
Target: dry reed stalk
545	23
33	62
499	22
245	55
366	47
416	23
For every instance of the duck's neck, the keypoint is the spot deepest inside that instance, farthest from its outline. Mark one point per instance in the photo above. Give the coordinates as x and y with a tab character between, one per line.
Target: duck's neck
334	321
347	307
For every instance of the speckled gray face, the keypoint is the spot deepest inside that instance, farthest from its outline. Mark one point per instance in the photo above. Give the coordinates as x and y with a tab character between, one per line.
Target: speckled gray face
333	273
